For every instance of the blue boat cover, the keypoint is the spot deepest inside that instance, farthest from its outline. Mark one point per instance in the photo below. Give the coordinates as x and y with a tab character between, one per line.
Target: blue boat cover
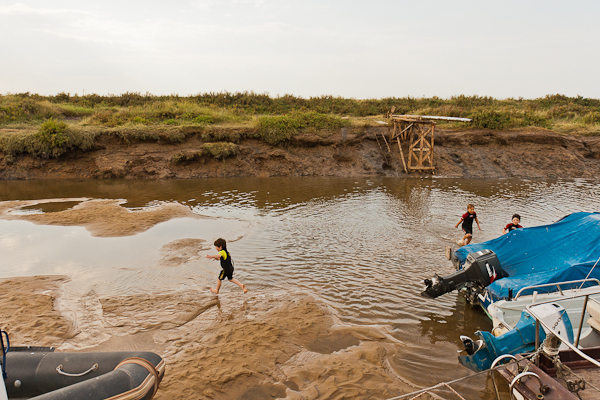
566	250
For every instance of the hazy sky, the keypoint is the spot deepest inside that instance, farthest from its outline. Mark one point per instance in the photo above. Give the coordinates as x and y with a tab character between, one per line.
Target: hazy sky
352	48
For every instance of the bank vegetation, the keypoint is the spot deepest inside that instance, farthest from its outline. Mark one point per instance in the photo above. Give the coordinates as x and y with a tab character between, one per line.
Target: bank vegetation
49	126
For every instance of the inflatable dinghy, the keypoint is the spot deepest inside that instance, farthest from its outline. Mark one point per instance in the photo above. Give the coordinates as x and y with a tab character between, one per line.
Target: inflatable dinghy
41	374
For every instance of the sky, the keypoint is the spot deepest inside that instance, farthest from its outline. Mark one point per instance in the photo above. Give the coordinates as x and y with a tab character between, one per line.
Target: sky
352	48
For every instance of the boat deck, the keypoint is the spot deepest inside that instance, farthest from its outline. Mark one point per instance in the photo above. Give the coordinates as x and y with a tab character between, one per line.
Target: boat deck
529	386
592	383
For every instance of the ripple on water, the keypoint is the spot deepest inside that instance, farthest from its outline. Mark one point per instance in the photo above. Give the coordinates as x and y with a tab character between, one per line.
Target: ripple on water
362	246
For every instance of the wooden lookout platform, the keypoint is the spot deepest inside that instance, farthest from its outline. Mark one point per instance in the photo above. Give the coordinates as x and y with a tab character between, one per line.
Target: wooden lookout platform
418	132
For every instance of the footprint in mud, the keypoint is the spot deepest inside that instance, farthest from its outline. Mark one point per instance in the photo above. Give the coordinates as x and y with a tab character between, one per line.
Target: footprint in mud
131	314
328	344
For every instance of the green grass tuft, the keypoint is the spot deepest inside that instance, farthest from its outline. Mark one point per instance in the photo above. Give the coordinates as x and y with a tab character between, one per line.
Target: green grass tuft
221	135
186	156
278	118
53	137
281	128
221	150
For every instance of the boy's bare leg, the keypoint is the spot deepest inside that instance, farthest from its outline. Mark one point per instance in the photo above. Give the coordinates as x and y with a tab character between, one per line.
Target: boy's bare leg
240	284
216	291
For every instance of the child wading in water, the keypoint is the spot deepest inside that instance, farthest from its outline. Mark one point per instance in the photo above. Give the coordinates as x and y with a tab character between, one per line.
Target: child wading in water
226	264
516	220
467	224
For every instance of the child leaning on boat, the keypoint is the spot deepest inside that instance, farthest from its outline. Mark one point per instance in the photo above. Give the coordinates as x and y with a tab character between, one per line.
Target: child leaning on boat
467	224
226	265
515	224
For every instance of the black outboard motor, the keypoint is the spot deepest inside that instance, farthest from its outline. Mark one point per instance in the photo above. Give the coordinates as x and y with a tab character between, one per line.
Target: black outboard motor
481	268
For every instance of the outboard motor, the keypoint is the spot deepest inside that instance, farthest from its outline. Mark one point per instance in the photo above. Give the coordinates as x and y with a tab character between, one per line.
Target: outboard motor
518	340
480	268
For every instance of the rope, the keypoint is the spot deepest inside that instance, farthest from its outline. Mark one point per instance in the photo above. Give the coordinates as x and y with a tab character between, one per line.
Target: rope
4	351
423	391
434	395
59	369
532	356
455	392
587	383
430	394
563	371
147	365
419	393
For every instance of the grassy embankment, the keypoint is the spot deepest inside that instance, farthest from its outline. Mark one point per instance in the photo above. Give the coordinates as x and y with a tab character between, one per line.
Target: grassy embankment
49	126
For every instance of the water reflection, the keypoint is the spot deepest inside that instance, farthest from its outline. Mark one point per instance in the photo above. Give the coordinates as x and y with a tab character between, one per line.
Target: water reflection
112	266
46	207
464	318
363	246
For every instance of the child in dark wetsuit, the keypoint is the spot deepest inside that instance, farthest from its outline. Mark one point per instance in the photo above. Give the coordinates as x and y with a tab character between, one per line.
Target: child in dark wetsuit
516	220
226	264
467	224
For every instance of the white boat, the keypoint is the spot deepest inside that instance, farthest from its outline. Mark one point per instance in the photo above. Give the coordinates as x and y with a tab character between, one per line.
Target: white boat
505	314
562	364
574	320
562	367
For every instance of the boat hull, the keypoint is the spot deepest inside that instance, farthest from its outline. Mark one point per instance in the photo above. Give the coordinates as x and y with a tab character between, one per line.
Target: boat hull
47	375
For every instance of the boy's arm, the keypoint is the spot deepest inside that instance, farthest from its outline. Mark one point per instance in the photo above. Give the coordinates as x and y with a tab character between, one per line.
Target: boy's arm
458	223
215	257
476	220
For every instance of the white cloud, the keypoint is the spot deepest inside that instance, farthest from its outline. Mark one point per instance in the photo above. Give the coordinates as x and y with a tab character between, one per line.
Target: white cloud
202	4
209	4
22	9
255	3
75	37
351	48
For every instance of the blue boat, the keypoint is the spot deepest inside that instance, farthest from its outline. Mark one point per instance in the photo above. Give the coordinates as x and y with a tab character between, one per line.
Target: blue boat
571	322
567	250
530	259
540	265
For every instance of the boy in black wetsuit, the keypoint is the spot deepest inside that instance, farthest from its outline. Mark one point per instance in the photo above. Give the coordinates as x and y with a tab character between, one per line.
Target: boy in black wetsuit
516	221
226	264
467	224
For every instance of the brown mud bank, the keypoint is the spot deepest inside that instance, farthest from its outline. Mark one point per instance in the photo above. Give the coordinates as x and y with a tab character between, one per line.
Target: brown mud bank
264	344
103	218
533	153
256	346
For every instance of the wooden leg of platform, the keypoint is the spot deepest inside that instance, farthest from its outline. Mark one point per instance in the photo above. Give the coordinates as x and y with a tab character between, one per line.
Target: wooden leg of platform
402	155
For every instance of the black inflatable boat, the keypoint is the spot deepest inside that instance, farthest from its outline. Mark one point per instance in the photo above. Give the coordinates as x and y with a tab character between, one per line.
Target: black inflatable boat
41	374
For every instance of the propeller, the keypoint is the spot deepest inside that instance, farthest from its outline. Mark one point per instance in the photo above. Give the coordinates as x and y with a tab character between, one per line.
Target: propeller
471	346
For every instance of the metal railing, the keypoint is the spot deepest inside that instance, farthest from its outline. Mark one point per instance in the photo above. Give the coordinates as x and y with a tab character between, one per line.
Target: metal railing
530	309
558	285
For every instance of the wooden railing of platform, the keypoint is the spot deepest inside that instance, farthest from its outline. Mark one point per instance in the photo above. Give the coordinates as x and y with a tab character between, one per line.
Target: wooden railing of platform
418	130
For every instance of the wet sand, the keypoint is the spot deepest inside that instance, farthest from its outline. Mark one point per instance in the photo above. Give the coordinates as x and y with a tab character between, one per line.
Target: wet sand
264	344
103	218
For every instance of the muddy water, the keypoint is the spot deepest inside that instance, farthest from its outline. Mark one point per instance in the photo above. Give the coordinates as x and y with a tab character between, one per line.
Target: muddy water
362	246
